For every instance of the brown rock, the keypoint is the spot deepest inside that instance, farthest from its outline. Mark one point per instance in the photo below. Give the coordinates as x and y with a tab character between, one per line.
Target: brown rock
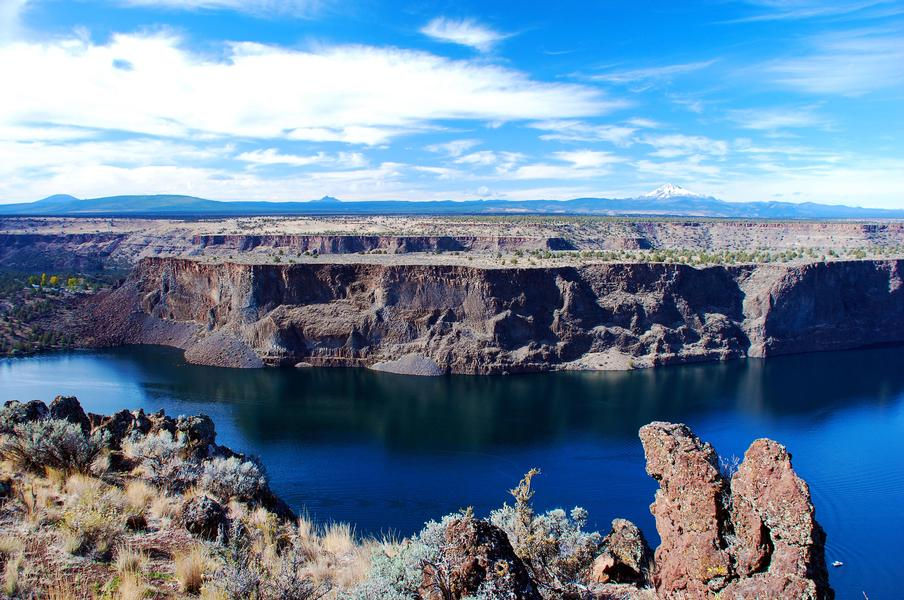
780	547
475	552
757	539
625	558
692	560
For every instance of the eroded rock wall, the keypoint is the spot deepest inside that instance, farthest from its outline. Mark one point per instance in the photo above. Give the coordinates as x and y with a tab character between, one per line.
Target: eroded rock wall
447	318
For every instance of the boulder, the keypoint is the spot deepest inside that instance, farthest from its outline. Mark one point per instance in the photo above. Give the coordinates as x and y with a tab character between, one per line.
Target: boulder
625	557
204	517
692	560
68	408
16	413
199	431
474	552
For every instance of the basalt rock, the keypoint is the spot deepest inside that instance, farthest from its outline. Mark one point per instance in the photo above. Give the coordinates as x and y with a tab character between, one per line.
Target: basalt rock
780	548
122	424
435	319
474	553
16	413
625	558
690	512
756	537
68	408
204	517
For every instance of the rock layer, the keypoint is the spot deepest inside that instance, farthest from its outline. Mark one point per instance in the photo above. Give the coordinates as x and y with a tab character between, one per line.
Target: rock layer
458	319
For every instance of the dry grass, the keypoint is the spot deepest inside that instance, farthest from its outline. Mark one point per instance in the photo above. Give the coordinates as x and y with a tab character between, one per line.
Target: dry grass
129	560
164	507
11	574
338	539
140	495
62	589
132	587
190	568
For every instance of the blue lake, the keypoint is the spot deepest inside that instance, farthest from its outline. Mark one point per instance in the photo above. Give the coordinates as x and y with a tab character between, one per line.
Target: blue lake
387	452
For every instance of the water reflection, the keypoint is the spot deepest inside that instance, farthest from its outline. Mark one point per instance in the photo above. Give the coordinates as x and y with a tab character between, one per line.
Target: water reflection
471	413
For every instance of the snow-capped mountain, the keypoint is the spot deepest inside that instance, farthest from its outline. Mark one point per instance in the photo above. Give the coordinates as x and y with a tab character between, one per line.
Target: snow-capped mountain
670	190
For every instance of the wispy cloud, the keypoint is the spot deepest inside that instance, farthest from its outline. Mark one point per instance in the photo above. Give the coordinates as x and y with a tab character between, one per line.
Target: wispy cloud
465	32
272	156
10	18
649	74
453	148
294	8
579	131
848	63
780	10
674	145
773	119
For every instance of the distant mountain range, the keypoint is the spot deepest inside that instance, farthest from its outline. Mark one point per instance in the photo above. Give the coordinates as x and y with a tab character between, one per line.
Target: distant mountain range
668	200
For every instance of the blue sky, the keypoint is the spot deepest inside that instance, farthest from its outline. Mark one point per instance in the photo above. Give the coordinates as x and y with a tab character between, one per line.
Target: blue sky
793	100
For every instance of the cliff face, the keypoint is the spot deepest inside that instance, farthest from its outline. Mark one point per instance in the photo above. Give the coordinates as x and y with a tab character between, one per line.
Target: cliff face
434	319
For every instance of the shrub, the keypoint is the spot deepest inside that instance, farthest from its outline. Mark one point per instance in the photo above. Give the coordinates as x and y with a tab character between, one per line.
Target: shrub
163	460
52	443
233	478
554	546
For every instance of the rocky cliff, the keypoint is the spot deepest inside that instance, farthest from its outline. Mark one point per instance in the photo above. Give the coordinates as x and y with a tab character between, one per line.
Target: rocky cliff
437	319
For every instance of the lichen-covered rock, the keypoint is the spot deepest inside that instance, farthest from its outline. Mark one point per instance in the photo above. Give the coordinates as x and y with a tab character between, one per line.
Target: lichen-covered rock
15	412
198	430
68	408
477	553
780	548
757	538
692	560
204	517
625	558
122	424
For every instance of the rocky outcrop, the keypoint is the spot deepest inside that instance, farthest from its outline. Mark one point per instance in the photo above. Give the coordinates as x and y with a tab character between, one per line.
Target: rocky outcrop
390	244
448	318
204	517
754	536
476	553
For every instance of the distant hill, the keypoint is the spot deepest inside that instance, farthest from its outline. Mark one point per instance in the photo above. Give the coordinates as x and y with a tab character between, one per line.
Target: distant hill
668	200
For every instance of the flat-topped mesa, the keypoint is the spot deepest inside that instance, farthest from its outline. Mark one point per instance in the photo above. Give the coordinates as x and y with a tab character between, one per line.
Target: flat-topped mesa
755	537
413	318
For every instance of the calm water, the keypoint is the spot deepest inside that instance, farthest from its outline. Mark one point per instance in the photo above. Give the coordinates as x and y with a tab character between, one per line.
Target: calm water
387	452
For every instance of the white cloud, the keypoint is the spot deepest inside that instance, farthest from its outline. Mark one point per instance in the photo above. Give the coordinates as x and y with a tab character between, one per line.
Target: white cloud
503	161
579	131
272	156
584	164
587	159
453	148
688	169
10	18
354	94
665	72
465	32
773	119
672	145
850	64
295	8
780	10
